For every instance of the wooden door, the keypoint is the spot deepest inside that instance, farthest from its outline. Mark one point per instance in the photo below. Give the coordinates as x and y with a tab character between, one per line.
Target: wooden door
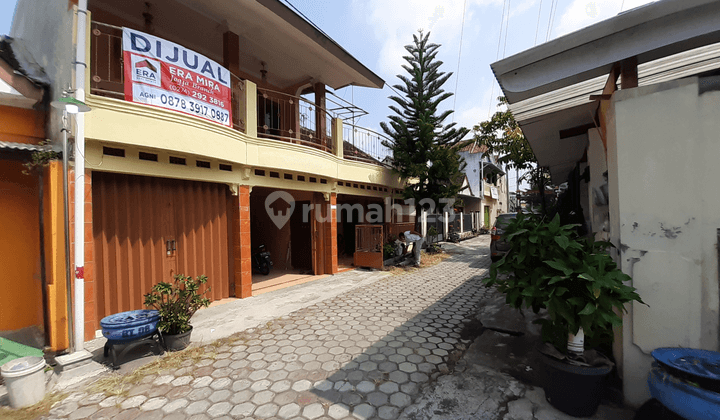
147	229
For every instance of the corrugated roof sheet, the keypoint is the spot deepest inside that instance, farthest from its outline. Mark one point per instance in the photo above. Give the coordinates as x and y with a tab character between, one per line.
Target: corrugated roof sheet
8	145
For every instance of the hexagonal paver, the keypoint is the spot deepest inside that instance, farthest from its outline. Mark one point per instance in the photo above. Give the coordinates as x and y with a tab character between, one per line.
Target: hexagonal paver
365	387
408	367
242	410
263	397
363	411
400	399
302	385
389	387
220	395
313	411
323	385
281	386
133	402
399	377
288	411
338	411
202	382
368	366
199	394
388	412
258	374
219	409
175	405
153	404
197	407
260	385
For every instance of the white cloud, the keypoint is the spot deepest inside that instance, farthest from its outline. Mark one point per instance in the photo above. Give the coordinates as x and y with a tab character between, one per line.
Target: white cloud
582	13
395	21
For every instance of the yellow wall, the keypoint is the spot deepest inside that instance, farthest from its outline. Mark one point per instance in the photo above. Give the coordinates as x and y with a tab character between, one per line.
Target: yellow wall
21	284
118	123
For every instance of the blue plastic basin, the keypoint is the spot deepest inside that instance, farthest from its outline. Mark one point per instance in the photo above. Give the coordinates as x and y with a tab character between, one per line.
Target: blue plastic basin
690	402
131	325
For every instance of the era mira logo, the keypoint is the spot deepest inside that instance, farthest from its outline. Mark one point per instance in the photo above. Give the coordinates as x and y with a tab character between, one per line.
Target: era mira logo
146	70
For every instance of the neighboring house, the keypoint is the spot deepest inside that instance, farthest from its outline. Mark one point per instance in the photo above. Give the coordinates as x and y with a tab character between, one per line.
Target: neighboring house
192	190
32	302
640	159
490	181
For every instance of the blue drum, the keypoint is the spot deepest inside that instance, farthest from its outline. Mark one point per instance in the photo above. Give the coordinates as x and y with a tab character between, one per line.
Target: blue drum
130	326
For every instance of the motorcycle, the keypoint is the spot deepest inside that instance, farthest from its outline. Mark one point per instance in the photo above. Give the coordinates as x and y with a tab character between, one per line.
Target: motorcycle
261	262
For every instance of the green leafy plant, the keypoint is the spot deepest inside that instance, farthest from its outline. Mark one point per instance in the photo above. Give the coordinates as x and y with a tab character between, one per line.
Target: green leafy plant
40	158
388	251
550	267
177	302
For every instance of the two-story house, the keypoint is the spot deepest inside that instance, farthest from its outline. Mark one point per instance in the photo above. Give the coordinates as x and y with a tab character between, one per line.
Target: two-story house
490	181
211	133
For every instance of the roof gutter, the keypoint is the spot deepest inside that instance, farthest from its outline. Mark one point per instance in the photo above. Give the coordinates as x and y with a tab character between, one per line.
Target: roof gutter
648	33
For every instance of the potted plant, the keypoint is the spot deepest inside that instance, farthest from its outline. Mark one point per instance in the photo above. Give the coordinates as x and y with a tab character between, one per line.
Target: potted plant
577	282
176	303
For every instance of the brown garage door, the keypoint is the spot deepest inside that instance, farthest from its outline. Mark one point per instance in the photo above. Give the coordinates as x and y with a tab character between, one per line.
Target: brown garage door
148	229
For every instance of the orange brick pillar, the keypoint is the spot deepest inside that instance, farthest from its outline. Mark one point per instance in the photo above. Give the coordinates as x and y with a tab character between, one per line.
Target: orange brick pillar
331	261
242	271
91	321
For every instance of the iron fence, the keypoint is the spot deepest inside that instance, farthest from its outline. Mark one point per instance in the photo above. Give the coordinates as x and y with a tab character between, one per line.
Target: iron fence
363	144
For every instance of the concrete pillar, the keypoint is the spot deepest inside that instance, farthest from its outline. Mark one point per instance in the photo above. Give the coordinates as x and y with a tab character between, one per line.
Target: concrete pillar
462	222
251	117
331	261
320	121
242	263
91	323
423	223
337	137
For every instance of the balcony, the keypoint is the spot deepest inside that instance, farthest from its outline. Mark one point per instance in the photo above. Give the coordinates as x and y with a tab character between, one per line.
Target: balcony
280	116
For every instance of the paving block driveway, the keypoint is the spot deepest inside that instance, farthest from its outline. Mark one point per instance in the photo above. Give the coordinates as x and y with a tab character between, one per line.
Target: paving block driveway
364	354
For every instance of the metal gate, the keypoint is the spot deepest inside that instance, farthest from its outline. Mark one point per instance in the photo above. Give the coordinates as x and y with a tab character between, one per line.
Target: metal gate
148	229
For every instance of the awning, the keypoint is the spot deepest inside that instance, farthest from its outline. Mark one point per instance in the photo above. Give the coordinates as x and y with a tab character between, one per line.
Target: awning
491	168
8	145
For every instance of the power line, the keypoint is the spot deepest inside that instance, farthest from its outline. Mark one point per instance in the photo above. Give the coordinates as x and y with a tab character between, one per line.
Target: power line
507	29
551	19
538	22
497	55
457	73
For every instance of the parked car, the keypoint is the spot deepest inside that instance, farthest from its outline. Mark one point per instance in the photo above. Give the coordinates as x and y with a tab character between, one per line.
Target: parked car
498	246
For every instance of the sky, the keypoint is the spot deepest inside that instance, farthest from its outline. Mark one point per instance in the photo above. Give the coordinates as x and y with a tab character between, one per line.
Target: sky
376	31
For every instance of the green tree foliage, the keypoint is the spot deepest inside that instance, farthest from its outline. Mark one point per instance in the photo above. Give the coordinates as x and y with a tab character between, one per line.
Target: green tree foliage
424	148
502	136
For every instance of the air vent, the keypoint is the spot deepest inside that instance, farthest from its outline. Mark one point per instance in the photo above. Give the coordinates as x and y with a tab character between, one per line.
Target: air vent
340	183
259	172
301	178
112	151
152	157
274	175
178	160
288	176
202	164
313	179
323	181
224	167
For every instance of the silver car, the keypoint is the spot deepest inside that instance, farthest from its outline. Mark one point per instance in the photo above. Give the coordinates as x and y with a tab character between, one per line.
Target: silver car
498	246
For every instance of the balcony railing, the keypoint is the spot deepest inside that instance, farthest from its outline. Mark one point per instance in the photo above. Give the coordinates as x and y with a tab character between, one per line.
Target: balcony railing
293	119
280	116
363	144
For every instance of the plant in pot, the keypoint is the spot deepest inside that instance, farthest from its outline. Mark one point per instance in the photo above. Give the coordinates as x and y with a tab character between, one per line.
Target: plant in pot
176	303
577	282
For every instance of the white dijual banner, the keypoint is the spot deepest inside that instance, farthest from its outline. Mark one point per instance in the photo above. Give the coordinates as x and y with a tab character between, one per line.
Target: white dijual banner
164	74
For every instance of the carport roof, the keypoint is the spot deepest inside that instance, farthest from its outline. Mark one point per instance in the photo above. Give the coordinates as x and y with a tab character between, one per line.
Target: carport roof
548	87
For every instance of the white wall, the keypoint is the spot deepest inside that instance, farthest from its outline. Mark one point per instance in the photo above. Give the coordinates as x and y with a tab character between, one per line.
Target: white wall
663	155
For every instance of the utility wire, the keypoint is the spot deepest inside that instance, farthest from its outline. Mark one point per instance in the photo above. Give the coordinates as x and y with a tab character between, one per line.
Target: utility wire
497	56
507	29
537	28
551	19
457	73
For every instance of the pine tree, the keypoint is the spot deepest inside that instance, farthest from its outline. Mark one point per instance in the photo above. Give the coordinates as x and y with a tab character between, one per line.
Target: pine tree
423	147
